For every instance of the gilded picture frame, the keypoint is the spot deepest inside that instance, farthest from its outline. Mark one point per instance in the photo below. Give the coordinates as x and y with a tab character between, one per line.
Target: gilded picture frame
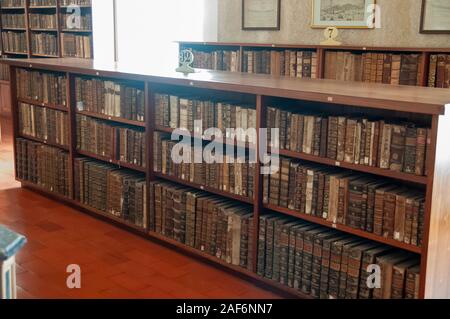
336	13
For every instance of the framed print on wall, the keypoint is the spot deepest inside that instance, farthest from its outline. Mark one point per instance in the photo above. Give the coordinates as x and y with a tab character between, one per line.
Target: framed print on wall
342	13
261	14
435	17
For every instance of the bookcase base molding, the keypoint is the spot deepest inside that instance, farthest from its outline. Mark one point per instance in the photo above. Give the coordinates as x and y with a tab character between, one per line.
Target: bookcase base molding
349	192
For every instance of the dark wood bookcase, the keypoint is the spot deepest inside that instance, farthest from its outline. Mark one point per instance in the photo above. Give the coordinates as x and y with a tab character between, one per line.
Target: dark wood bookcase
383	100
320	50
58	9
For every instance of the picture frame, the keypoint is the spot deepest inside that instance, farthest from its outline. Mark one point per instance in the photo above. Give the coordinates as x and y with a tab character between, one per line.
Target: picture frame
324	14
435	17
261	15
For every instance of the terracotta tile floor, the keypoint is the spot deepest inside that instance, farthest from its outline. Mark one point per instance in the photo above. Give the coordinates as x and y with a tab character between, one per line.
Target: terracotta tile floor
114	263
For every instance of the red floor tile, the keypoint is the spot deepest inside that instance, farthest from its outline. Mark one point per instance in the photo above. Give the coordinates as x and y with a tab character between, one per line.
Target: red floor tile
114	263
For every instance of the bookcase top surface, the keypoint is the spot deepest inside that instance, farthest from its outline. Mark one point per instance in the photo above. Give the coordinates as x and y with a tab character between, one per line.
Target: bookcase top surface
269	46
411	99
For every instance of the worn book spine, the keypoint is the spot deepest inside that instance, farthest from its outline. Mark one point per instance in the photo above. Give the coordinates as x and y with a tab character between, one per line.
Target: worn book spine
397	151
420	151
332	140
390	200
341	137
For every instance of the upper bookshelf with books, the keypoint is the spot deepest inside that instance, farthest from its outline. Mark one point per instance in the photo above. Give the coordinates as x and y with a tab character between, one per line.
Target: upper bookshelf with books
361	179
46	28
396	66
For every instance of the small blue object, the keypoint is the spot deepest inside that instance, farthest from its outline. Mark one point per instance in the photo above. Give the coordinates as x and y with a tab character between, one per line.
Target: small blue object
10	243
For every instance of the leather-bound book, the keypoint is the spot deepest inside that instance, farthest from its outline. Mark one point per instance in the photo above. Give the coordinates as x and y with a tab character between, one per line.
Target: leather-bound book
421	151
399	277
369	258
397	152
395	70
354	268
412	285
332	139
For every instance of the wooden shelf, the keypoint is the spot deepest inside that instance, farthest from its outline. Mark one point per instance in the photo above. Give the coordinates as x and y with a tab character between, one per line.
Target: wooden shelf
35	139
310	46
204	188
42	104
43	30
112	118
423	180
83	6
42	7
13	8
76	31
345	229
15	53
380	100
44	55
194	135
13	29
112	161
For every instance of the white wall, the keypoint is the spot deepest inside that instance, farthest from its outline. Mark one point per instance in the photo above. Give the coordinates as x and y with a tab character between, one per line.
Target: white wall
103	26
146	30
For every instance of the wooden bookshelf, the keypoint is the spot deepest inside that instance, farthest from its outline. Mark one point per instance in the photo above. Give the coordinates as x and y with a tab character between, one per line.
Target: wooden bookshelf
57	10
320	50
428	103
111	118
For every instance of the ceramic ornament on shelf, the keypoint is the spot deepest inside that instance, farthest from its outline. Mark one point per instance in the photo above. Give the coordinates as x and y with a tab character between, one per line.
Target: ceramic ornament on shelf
331	33
186	60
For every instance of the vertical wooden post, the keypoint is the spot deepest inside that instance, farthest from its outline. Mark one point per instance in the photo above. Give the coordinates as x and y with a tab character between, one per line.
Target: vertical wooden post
58	28
149	131
431	160
14	111
27	26
71	109
258	182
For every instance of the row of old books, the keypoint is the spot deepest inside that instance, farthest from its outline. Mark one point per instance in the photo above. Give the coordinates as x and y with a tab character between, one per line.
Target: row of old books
43	21
76	45
439	75
111	98
397	146
344	197
212	224
223	172
4	72
222	60
13	20
42	165
14	42
44	43
387	68
329	264
42	87
13	3
85	22
118	192
114	142
182	111
42	3
46	124
293	63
